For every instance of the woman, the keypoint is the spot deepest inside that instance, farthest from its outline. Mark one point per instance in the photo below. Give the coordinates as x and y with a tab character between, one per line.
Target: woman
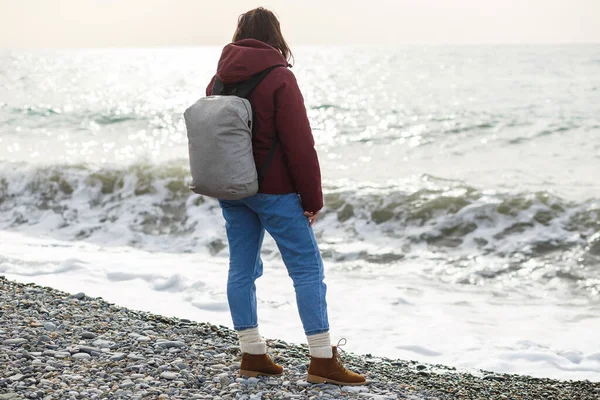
286	206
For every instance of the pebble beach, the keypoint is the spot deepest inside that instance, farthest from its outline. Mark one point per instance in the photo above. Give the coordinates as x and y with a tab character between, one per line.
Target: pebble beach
57	345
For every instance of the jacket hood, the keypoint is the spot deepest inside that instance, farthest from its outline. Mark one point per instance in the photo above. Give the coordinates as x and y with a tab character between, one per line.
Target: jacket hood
244	58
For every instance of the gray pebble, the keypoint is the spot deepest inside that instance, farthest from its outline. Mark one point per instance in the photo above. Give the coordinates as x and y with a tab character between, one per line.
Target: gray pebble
88	335
103	343
49	326
169	344
169	375
224	381
16	378
14	342
88	349
81	356
182	366
78	296
494	378
355	389
118	357
126	384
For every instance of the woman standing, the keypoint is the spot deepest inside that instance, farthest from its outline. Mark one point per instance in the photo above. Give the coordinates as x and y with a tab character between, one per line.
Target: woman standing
286	206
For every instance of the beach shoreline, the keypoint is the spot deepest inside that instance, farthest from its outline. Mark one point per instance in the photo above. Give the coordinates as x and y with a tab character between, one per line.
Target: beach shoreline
460	209
56	345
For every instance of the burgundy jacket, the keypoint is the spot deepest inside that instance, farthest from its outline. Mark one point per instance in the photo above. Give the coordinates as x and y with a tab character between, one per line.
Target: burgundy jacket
279	109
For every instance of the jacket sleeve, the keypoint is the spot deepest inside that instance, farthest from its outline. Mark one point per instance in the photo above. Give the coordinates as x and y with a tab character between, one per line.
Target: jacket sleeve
297	142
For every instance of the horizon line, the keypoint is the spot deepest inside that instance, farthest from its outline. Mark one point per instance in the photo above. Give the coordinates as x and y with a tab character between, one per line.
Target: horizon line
358	45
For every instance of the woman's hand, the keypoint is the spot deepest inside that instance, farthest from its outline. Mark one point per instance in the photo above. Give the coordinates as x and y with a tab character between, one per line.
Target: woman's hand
312	217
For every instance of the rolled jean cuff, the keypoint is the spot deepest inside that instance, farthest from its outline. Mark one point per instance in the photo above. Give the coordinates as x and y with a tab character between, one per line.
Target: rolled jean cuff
316	331
244	327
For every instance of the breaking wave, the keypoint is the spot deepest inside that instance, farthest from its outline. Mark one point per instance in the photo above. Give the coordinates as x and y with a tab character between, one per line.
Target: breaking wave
79	202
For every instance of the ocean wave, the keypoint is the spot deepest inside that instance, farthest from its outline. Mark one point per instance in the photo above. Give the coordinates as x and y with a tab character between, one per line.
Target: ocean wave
440	215
74	117
470	127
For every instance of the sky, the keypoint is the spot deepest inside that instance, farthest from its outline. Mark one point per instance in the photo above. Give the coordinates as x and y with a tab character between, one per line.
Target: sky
136	23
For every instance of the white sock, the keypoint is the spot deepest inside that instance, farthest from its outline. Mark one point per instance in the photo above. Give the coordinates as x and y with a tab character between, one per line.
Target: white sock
251	342
319	345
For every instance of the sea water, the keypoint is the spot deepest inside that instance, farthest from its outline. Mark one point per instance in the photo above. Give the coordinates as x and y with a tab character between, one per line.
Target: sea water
462	192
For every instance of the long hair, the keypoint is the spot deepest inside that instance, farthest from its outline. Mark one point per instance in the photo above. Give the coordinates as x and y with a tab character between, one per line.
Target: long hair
262	24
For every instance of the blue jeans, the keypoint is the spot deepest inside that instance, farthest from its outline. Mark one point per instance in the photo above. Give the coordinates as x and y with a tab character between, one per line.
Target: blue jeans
283	217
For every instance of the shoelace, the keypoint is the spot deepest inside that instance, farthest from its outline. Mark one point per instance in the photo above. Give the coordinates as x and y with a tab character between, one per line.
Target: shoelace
338	358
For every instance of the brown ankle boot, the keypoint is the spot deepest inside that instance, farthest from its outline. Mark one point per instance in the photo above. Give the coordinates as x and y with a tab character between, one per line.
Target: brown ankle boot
331	370
254	365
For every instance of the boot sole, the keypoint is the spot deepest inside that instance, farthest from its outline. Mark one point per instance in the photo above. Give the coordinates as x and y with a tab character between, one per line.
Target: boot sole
254	374
319	379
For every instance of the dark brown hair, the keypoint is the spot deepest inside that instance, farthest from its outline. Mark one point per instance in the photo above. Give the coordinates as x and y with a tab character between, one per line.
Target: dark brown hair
262	24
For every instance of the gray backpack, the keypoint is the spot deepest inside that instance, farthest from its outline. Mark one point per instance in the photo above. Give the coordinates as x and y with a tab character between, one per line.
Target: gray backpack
219	130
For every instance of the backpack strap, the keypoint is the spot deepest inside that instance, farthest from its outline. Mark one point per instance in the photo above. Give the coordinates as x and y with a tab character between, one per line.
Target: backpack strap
242	89
245	88
218	87
263	171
